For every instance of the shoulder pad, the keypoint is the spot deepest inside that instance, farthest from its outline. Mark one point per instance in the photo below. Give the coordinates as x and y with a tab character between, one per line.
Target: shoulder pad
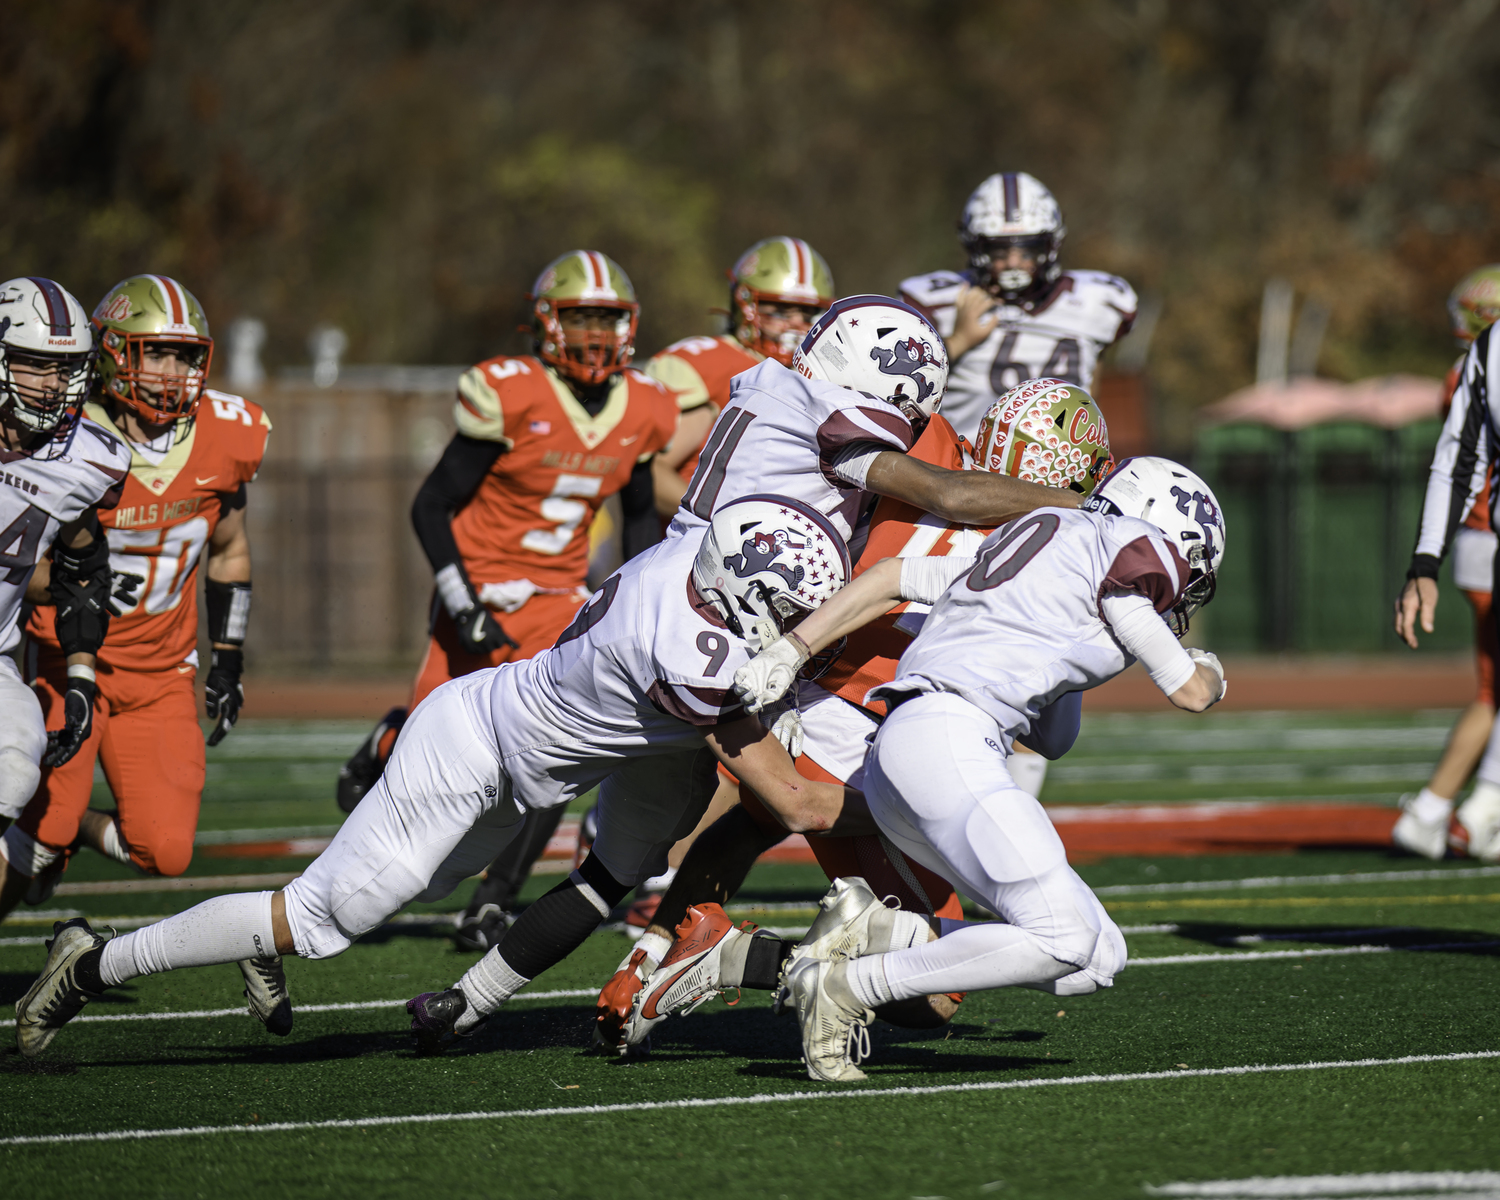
934	289
479	411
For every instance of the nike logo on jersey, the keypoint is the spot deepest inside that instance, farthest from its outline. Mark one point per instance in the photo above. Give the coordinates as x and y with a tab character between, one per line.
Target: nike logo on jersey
631	438
205	479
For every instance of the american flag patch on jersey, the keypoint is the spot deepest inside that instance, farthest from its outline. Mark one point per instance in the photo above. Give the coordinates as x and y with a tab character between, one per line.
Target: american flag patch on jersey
541	427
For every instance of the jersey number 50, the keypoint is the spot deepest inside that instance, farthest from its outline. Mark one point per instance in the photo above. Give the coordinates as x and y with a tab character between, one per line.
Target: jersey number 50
165	556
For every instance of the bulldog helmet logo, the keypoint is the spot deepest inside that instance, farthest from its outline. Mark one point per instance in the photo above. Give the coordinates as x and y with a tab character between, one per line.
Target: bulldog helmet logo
759	554
907	358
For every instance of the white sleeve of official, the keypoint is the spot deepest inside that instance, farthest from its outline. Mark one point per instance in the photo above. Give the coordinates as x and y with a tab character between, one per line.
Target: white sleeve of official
1461	459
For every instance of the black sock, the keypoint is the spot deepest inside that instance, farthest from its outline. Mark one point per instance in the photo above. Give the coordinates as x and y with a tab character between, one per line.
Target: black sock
86	970
763	960
561	921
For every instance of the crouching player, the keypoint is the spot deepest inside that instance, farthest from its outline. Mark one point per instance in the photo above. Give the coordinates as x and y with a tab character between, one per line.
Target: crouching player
634	698
1056	602
1045	432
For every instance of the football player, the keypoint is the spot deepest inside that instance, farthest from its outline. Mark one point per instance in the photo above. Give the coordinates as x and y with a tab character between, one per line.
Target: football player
193	453
56	471
1015	314
1464	455
777	289
1054	603
543	440
1045	431
633	699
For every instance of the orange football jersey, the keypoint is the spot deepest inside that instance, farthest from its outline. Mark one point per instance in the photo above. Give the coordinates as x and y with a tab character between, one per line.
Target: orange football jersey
167	513
530	517
900	530
697	370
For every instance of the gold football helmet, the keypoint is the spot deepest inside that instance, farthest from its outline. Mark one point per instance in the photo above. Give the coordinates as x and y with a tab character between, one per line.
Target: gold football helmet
777	270
584	279
152	311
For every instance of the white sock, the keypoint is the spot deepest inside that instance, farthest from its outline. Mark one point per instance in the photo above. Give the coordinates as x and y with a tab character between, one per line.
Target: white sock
659	883
906	929
1029	771
979	956
487	985
655	946
225	929
1430	808
866	979
1485	795
114	844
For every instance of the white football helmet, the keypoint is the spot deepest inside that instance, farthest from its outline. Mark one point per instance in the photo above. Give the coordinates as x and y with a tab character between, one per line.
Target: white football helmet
1012	210
1183	507
768	559
46	356
881	347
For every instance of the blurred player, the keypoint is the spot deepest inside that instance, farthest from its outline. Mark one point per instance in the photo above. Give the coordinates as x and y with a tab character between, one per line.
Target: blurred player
1464	453
1054	603
1015	314
193	453
543	440
56	469
777	289
633	699
1044	432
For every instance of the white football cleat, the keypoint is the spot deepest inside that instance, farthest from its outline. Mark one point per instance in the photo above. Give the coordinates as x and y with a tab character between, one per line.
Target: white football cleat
1427	838
56	997
842	930
690	975
266	990
835	1030
615	1007
1480	817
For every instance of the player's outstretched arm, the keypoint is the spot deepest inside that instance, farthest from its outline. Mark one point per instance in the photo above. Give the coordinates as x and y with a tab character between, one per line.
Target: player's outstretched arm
227	592
1417	602
761	763
963	497
79	585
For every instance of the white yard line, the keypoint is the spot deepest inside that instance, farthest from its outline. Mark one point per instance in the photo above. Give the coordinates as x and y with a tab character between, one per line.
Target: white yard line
241	1010
1445	1183
117	1135
1268	881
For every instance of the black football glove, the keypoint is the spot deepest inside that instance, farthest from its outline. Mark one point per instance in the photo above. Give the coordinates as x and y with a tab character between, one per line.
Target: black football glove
479	633
122	592
78	722
222	692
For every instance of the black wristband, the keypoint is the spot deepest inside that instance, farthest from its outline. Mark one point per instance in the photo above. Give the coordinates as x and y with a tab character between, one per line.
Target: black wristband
227	662
228	611
1423	566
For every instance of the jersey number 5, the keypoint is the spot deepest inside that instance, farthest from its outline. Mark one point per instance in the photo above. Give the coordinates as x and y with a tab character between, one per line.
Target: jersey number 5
561	508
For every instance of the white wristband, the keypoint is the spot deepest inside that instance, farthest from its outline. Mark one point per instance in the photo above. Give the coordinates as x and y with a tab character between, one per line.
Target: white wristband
79	671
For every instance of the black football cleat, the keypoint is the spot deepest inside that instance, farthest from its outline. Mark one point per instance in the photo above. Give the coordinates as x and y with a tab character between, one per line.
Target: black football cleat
433	1016
362	771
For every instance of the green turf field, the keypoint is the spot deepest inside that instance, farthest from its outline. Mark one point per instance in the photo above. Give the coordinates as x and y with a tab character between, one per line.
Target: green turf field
1259	1032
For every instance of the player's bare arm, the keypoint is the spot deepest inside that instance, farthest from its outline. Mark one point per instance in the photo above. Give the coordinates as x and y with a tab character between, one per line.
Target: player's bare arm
761	763
963	497
670	486
1417	602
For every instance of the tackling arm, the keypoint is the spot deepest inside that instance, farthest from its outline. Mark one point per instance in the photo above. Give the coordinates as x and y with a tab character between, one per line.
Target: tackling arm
760	763
963	497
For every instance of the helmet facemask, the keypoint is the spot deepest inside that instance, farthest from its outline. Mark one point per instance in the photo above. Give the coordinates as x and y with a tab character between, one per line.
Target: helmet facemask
586	356
749	329
44	408
154	396
989	256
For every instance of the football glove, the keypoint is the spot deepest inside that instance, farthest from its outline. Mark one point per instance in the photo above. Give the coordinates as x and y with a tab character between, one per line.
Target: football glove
80	587
78	721
768	676
122	592
1210	660
480	634
788	731
222	693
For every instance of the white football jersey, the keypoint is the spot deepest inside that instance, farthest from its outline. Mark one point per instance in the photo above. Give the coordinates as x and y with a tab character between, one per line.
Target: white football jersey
780	434
1059	336
1023	627
643	669
40	495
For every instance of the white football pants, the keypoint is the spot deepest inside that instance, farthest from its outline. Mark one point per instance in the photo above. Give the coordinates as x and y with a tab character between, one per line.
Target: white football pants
23	739
444	808
937	784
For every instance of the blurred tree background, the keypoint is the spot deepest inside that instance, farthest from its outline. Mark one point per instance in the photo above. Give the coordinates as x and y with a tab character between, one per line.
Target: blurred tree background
402	168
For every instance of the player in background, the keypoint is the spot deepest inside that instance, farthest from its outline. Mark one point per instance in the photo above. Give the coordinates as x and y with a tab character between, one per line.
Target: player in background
1463	517
1015	314
634	699
56	470
543	440
777	289
1046	432
192	454
1055	603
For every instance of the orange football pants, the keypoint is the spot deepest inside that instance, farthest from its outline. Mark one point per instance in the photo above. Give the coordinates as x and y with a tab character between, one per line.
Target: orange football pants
147	739
537	624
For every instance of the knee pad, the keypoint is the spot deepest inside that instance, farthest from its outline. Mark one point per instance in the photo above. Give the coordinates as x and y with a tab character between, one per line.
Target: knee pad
170	857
